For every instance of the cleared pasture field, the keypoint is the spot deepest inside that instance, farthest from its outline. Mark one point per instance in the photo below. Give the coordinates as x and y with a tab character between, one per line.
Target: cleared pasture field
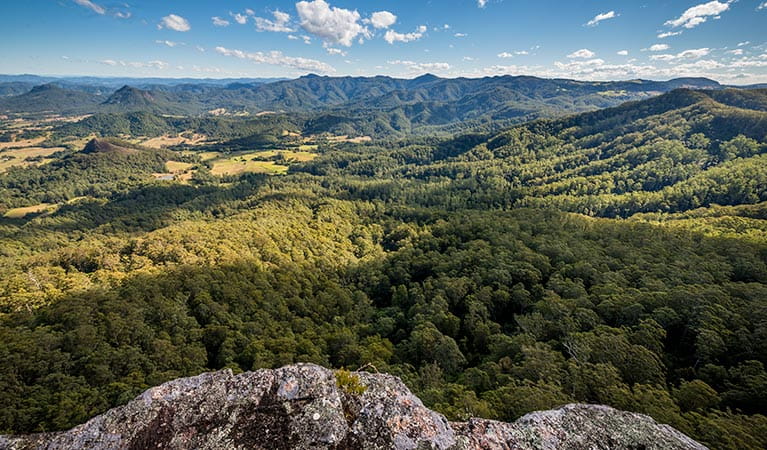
17	157
236	166
176	166
19	213
167	141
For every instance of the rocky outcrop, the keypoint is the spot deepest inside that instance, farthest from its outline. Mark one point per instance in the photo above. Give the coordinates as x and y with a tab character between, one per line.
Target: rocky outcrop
305	406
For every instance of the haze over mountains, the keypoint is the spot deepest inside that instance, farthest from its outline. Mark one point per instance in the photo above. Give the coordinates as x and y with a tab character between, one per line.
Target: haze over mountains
387	105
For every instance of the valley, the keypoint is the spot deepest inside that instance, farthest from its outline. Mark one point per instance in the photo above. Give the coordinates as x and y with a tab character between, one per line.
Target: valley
615	256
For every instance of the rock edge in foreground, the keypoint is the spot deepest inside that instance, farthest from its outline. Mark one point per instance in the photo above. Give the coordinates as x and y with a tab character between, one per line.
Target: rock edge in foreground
302	407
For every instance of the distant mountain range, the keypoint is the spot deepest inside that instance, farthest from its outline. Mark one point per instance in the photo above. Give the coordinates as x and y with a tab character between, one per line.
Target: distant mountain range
383	104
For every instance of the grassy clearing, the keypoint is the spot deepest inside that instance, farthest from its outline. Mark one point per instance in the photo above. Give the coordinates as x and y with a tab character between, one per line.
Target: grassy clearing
168	141
236	166
20	213
257	162
23	143
18	157
176	166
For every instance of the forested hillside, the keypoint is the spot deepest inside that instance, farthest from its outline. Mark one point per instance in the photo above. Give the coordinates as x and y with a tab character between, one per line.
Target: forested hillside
495	272
672	153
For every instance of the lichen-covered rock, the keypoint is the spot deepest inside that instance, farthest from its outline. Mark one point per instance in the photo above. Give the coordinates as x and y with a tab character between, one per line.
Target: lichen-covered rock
302	407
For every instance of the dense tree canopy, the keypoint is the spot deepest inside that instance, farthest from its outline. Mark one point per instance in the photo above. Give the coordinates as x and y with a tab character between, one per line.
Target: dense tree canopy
456	264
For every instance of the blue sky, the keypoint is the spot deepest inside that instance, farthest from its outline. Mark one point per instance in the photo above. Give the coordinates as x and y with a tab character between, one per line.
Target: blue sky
594	40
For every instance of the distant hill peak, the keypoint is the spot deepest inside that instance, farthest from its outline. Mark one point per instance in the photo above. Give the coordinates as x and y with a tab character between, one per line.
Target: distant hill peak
128	95
96	145
45	88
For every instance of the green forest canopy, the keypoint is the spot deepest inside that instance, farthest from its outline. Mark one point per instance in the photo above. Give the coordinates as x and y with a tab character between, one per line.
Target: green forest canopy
458	265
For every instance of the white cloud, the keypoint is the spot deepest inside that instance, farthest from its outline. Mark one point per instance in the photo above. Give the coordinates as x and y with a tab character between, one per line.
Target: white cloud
736	52
582	53
416	67
460	35
659	47
123	15
761	6
98	9
335	51
160	65
623	52
307	40
175	23
481	3
511	55
382	19
334	25
698	14
694	54
242	19
276	58
687	54
168	43
600	17
741	44
392	36
219	22
279	24
668	34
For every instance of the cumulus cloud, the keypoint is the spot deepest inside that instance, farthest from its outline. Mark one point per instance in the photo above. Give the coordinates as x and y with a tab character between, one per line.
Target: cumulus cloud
175	23
582	53
761	6
392	36
623	52
219	22
687	54
511	55
279	24
335	51
242	19
600	17
98	9
276	58
668	34
334	25
417	67
658	47
481	3
382	19
698	14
